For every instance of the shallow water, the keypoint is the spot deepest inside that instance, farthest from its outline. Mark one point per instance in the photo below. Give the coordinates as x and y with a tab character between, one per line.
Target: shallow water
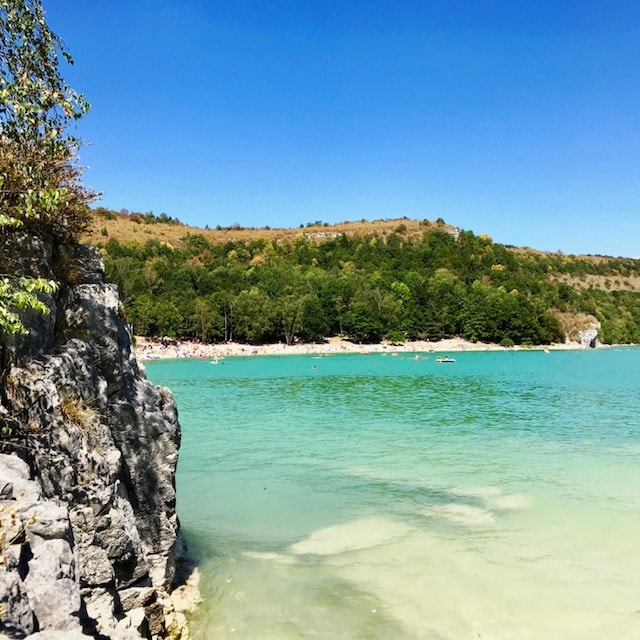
383	497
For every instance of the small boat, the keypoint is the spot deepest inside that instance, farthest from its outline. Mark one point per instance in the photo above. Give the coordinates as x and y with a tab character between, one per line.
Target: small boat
445	359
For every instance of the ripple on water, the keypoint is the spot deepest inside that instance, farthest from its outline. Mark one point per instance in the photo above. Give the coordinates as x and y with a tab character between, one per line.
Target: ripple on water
388	498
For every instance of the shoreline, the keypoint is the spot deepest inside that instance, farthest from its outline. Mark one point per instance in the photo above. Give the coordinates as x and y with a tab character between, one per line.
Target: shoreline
147	349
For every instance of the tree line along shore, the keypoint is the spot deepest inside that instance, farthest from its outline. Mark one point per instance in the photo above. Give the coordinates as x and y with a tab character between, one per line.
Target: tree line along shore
432	285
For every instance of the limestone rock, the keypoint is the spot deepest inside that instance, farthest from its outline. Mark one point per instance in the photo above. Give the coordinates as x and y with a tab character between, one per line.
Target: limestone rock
17	616
38	588
88	472
53	593
589	337
58	635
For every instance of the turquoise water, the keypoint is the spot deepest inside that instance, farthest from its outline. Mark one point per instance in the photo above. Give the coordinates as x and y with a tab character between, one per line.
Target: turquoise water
383	497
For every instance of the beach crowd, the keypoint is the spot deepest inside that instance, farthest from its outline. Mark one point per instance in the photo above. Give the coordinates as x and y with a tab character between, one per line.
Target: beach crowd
156	348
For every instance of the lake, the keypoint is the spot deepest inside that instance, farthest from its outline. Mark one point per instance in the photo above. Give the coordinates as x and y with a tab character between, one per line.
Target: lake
388	497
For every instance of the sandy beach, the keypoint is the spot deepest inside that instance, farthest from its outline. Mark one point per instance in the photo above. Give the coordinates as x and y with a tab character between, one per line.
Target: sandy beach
153	349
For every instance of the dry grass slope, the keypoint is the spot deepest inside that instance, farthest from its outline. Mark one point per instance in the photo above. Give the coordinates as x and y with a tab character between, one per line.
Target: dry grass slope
124	230
605	283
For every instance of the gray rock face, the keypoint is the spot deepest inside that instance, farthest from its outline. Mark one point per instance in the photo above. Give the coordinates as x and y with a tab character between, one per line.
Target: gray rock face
87	492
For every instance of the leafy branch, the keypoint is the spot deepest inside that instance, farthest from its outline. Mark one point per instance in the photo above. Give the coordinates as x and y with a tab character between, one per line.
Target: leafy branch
16	299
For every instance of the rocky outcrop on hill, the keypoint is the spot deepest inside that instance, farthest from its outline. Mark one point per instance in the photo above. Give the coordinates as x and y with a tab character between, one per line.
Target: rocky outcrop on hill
589	337
89	537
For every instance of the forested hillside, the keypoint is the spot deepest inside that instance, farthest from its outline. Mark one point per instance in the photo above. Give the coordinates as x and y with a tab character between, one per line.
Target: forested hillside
367	285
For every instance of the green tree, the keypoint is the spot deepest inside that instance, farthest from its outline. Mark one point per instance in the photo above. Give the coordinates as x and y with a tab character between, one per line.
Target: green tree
361	324
291	311
205	316
446	296
39	181
254	315
290	291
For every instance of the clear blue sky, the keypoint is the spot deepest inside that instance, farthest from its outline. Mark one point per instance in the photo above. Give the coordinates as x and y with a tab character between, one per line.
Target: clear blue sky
516	119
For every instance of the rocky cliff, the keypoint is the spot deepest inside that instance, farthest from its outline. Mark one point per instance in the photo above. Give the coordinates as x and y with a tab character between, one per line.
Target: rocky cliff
89	537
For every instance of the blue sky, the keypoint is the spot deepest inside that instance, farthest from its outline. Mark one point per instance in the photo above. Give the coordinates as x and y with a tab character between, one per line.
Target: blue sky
516	119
